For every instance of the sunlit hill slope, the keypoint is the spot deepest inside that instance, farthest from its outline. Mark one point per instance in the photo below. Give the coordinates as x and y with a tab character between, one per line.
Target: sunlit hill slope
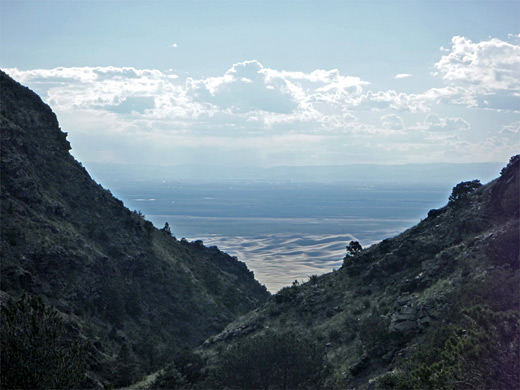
437	306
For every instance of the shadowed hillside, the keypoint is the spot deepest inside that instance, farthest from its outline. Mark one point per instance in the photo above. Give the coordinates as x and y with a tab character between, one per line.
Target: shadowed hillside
133	292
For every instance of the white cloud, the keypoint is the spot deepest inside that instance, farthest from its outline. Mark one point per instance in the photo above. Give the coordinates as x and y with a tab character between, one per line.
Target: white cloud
394	100
244	88
392	122
91	87
249	86
263	115
482	67
174	45
435	124
402	76
511	128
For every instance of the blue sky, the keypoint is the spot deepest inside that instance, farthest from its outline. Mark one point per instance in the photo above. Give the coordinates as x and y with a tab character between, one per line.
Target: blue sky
273	82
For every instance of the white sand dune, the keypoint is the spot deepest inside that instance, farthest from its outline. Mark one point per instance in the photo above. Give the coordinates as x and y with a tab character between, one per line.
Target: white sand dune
279	259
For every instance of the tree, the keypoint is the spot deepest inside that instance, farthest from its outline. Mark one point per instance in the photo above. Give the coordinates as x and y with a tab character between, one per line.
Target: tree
461	191
512	161
36	350
354	248
126	367
166	228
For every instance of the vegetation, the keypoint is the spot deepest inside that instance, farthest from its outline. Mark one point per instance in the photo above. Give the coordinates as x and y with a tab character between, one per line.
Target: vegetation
167	228
37	351
112	274
513	160
354	248
184	371
273	361
481	351
462	190
436	307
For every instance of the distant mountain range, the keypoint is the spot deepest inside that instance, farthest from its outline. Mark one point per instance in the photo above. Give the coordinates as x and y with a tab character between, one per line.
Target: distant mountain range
444	173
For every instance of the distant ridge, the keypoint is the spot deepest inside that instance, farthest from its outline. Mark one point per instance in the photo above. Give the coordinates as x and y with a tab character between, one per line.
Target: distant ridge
420	173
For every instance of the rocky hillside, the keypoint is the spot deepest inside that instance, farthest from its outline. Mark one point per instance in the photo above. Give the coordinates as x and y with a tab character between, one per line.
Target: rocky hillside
436	307
133	291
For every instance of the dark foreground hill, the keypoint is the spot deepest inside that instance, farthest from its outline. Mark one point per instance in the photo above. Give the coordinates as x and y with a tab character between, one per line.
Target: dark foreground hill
132	292
436	307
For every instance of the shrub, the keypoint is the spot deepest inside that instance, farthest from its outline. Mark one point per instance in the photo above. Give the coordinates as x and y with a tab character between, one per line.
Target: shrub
434	213
126	367
183	372
374	333
36	351
273	361
170	378
286	294
482	351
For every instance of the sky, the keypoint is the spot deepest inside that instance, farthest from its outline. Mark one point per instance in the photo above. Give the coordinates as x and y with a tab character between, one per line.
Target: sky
269	83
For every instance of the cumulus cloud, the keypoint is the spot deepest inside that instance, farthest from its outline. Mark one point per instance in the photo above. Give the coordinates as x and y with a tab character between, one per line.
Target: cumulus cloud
392	122
435	124
249	86
276	115
482	68
394	100
124	90
243	88
133	103
248	96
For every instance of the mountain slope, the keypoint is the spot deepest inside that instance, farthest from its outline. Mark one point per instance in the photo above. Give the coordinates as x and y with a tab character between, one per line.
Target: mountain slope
116	279
436	307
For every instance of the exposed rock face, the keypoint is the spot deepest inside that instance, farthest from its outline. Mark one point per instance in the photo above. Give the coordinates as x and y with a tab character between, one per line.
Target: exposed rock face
112	274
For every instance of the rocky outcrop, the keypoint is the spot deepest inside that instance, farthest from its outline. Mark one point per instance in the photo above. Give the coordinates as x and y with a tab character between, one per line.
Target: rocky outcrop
411	317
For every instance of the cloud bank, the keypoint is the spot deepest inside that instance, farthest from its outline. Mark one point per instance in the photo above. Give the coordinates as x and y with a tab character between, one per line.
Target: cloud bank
254	114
